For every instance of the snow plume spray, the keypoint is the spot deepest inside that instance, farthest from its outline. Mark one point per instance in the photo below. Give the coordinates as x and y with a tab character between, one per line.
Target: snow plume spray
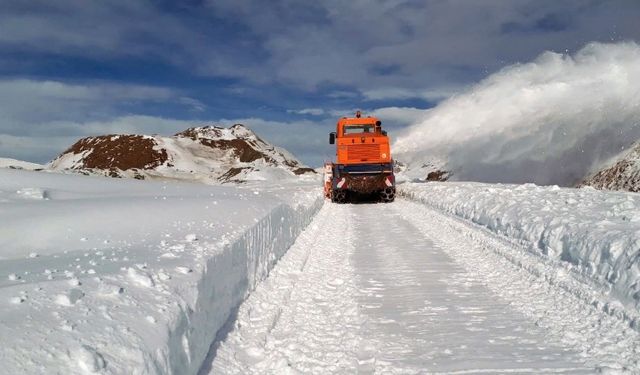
550	121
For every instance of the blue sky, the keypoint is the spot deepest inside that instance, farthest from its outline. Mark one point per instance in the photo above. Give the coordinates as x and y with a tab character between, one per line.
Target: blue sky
287	69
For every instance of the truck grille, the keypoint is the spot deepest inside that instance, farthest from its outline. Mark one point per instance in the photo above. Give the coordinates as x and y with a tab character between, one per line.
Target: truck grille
363	152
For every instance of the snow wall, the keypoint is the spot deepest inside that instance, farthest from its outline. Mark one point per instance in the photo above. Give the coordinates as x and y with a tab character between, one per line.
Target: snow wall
550	121
592	233
227	280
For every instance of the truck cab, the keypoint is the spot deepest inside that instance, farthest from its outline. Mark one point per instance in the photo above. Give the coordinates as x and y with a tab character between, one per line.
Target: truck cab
360	140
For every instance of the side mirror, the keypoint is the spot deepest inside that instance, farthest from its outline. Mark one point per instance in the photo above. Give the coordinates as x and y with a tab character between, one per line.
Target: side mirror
332	138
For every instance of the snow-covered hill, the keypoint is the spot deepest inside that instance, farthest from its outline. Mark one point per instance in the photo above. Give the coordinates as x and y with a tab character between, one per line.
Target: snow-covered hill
207	154
621	174
19	164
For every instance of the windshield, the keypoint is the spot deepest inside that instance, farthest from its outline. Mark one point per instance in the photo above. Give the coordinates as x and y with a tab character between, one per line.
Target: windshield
356	129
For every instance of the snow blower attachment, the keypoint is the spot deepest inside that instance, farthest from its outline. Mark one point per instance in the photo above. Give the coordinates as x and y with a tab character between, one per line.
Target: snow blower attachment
364	166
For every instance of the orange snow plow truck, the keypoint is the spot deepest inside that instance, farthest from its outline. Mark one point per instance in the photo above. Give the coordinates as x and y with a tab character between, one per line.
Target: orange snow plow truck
364	165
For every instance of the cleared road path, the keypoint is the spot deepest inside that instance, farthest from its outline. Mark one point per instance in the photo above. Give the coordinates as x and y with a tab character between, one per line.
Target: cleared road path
399	288
426	313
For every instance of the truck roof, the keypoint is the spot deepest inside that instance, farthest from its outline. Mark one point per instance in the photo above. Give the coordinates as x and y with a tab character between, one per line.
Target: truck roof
355	120
358	120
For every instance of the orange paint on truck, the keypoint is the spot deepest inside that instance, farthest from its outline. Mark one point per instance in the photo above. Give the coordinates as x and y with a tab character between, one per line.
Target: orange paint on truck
361	140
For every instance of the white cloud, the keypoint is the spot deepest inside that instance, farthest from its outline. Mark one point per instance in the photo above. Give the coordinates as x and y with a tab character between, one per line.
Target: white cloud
341	94
39	119
337	113
401	45
407	45
194	104
47	99
550	121
111	28
35	149
24	103
435	94
307	111
55	90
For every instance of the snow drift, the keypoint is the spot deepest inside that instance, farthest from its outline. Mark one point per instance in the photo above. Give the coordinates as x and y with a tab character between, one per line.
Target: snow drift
207	154
550	121
593	233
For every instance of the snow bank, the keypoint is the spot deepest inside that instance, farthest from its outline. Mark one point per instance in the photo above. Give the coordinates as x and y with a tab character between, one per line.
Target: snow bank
549	121
124	276
597	233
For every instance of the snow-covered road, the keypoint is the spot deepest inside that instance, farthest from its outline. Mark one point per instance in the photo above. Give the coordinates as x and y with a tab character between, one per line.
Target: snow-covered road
401	288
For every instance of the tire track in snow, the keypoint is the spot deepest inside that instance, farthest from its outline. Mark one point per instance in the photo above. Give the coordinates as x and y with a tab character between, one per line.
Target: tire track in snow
428	314
537	290
304	317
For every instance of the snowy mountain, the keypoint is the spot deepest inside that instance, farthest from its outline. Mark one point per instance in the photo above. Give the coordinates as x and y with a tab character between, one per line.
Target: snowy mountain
19	164
621	174
209	154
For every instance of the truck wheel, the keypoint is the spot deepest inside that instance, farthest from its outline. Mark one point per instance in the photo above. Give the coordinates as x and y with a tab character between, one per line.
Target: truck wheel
388	195
339	196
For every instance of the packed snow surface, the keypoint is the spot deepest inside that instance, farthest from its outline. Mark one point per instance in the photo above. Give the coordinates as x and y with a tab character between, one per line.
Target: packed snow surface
117	276
403	289
550	121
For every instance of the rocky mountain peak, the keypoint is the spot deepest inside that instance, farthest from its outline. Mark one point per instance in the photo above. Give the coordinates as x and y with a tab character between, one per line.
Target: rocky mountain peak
623	173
